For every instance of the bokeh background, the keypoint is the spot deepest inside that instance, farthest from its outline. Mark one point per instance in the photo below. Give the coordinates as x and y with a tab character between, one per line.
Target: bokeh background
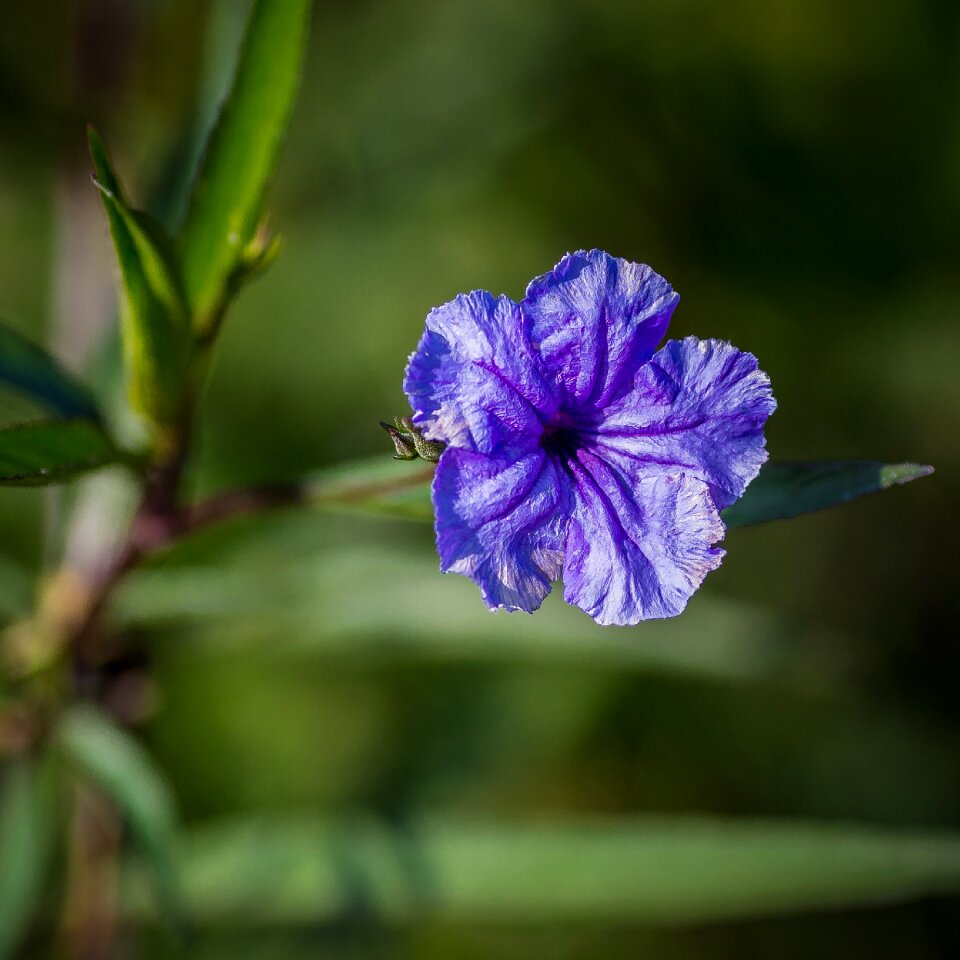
792	168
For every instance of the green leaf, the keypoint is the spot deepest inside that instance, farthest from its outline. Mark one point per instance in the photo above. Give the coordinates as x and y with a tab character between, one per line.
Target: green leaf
52	451
27	831
784	490
115	761
661	870
31	370
153	315
227	202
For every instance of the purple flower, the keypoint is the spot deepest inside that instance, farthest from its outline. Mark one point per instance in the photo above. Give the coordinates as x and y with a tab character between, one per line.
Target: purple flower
576	449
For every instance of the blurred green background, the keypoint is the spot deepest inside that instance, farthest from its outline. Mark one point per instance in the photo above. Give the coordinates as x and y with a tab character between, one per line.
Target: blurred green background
792	168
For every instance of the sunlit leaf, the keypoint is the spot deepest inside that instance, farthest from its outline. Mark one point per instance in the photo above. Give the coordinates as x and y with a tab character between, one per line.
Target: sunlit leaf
27	831
662	870
27	367
156	334
784	490
52	451
116	762
227	202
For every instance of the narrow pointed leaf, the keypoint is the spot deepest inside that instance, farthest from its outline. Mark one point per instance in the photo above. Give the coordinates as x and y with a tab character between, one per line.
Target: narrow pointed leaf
27	830
660	870
28	368
153	314
785	490
115	761
52	451
227	202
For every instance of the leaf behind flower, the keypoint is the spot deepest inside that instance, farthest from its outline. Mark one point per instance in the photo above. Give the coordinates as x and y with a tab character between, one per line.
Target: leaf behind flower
784	490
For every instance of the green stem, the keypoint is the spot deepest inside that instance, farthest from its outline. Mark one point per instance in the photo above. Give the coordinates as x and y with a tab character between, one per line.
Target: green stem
247	501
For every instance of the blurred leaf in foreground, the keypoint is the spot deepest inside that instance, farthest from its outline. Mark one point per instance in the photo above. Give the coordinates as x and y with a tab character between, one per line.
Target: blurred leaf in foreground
27	367
116	763
27	829
669	870
227	201
308	605
52	451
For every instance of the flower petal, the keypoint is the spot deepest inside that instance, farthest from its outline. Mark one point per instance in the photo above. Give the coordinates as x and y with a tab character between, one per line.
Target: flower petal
501	524
594	319
474	381
699	407
637	550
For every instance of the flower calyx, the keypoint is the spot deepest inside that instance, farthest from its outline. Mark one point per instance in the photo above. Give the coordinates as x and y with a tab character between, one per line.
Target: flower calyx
409	442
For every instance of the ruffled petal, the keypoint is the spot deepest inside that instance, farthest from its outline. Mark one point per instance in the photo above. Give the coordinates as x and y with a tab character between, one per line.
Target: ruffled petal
502	524
594	319
637	549
474	382
698	407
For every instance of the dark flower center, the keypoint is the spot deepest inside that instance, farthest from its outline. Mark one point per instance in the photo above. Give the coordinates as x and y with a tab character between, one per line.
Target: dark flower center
561	438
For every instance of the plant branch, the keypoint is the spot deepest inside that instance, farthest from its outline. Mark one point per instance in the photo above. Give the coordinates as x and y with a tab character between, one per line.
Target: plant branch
159	523
247	501
237	503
